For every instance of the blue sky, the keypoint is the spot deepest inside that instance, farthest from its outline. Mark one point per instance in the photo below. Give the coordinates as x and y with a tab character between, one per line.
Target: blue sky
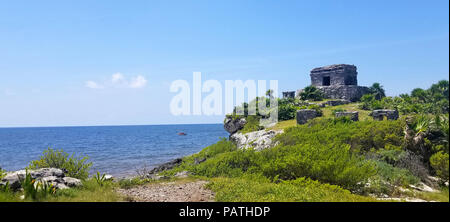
49	50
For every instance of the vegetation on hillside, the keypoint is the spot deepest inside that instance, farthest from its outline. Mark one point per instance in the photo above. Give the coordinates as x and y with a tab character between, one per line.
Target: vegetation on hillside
365	158
327	159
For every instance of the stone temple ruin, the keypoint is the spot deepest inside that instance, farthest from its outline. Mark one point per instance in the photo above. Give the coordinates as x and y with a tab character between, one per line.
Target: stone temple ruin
338	82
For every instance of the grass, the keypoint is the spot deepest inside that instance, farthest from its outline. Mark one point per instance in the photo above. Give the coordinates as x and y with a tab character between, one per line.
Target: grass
284	125
440	196
327	113
91	191
259	189
363	114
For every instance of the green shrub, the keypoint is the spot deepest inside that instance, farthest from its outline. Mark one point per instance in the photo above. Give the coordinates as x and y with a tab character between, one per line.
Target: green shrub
395	176
311	93
256	188
440	163
362	136
2	173
331	163
77	167
287	111
252	124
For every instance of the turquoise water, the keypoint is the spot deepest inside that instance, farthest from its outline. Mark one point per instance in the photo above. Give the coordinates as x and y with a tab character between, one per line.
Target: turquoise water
116	150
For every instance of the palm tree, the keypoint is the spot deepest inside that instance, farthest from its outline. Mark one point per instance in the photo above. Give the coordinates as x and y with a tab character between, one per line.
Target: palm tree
377	90
311	93
420	94
269	93
440	88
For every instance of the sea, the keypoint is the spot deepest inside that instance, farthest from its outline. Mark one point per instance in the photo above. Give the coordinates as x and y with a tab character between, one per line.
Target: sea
121	151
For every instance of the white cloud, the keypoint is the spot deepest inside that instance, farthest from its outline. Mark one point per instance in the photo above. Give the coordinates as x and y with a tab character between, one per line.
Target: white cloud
93	85
138	82
118	80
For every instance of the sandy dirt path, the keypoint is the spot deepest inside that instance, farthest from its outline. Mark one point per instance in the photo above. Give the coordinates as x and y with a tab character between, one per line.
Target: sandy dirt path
179	191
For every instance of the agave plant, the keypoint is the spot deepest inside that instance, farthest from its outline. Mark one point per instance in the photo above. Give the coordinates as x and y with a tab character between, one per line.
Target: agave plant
35	189
100	178
29	186
421	124
5	188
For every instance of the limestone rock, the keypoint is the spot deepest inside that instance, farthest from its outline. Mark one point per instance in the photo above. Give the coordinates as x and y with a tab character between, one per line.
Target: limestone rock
258	140
353	115
72	182
304	115
233	125
379	114
153	174
48	175
423	187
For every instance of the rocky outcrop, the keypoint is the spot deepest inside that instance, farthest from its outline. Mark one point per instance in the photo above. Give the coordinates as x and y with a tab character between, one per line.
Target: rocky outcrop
353	115
304	115
257	140
165	166
52	176
233	125
379	114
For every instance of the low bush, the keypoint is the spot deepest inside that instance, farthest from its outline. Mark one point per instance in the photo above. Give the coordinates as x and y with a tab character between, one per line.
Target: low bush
257	188
77	167
252	124
331	163
2	173
395	176
440	163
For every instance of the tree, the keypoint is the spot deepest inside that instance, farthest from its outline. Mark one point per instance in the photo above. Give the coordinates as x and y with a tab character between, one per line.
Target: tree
440	88
419	94
311	93
269	93
377	90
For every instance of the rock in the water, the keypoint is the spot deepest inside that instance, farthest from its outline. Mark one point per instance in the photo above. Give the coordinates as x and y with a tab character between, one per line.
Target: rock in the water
258	140
354	116
379	114
109	177
49	175
233	125
304	115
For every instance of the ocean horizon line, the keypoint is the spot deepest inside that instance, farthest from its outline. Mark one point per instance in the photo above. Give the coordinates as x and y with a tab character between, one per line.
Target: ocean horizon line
119	125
